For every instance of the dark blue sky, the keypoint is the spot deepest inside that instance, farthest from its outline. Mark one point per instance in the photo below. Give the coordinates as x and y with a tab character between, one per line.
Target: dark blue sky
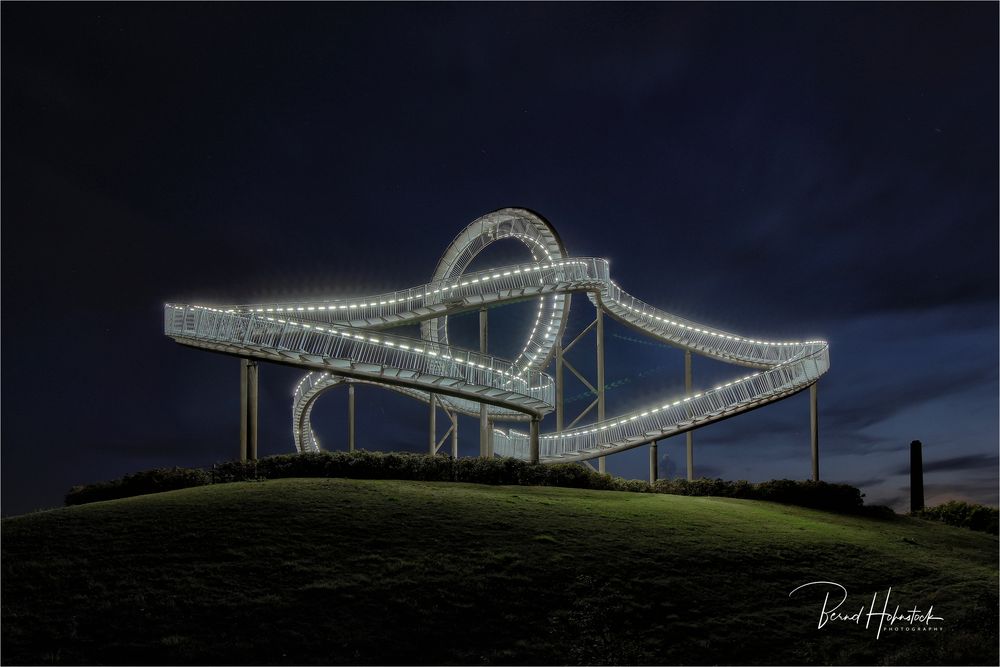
783	171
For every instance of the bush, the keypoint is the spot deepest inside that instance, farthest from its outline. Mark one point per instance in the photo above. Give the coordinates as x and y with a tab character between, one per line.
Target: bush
438	468
819	495
365	465
234	471
492	471
359	464
138	484
567	475
964	515
696	487
309	464
630	485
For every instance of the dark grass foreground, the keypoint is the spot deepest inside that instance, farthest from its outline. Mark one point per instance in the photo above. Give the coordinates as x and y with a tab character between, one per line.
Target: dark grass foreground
406	572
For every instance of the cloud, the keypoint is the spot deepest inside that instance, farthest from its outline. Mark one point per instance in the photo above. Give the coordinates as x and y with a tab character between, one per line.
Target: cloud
873	403
969	462
974	491
980	491
784	436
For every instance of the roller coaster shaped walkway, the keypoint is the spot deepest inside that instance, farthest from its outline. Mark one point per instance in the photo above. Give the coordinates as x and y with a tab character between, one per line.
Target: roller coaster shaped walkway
346	340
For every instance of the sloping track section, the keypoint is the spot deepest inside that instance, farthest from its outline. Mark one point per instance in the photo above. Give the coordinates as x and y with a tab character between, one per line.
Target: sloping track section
342	340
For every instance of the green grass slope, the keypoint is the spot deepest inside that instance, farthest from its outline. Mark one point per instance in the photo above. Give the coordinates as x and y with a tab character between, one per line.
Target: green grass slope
398	572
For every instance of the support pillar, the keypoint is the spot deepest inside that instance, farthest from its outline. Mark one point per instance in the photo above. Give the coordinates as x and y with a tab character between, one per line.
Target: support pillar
484	427
533	440
689	435
350	417
244	405
654	463
601	466
814	429
248	410
454	435
433	424
916	476
560	414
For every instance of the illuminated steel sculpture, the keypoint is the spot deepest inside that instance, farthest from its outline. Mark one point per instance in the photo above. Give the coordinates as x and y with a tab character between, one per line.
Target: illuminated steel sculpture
344	340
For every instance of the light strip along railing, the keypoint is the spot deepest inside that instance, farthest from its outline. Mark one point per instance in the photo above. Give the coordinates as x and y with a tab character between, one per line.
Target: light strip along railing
653	423
404	304
315	383
318	381
311	387
572	274
698	337
304	436
529	391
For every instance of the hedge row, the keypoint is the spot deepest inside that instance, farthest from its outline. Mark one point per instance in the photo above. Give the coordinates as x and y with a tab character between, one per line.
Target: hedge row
439	468
376	465
964	515
819	495
139	483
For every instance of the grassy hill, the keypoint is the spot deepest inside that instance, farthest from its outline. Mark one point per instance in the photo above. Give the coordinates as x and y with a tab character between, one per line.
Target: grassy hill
400	572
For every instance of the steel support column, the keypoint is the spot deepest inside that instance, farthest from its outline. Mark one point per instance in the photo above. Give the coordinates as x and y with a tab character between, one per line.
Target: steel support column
489	439
690	436
433	424
244	399
814	428
654	463
350	417
533	440
560	415
454	435
600	377
484	428
248	410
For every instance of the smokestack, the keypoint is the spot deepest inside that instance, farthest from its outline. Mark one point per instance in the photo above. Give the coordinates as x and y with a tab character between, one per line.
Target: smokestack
916	477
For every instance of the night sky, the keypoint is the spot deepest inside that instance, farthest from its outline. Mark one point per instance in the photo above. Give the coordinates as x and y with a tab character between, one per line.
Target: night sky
782	171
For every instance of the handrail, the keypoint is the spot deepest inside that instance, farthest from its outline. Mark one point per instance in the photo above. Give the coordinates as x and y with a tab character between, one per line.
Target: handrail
269	336
677	415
